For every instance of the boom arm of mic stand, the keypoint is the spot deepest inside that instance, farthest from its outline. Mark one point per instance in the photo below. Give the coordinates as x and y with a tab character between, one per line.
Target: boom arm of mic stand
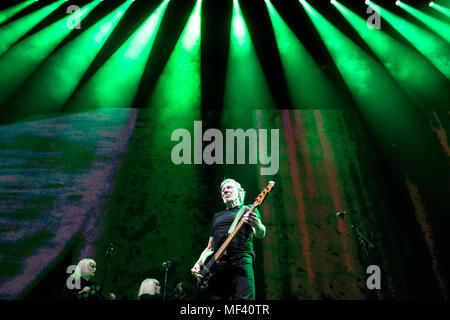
361	236
364	243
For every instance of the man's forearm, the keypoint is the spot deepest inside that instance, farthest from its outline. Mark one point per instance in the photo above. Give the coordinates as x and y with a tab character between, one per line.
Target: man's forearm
260	229
204	255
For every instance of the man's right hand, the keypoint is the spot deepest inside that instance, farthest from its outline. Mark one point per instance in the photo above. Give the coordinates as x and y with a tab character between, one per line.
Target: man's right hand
196	269
85	290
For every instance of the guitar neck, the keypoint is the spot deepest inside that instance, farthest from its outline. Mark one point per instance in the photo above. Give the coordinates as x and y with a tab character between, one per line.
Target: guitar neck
225	245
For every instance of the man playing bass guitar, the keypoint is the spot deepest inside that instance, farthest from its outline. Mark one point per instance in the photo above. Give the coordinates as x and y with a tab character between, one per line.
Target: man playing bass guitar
235	279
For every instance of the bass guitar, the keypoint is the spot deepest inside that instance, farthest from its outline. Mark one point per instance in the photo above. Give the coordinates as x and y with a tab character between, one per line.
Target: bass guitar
213	262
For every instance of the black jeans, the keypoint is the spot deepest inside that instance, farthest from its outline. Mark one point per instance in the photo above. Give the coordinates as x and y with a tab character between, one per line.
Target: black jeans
235	280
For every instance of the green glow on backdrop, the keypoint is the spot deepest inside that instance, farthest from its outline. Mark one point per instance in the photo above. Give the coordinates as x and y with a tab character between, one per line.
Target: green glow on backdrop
53	83
115	84
246	88
12	32
19	62
12	11
439	27
441	9
177	94
308	86
436	50
174	103
407	66
381	100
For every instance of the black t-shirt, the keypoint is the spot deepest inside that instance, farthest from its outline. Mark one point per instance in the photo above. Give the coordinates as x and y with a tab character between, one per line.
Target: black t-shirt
242	242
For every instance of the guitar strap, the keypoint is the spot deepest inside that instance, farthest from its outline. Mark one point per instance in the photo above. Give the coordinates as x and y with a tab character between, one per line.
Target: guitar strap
236	219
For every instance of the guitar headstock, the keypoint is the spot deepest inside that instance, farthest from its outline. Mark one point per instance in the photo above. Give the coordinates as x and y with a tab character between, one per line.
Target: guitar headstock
263	194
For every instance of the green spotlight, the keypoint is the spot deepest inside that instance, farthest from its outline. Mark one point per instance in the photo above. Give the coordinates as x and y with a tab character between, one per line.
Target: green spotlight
174	103
308	87
439	27
374	90
436	50
115	84
245	87
177	94
12	11
65	67
407	66
12	32
383	107
20	61
440	9
307	7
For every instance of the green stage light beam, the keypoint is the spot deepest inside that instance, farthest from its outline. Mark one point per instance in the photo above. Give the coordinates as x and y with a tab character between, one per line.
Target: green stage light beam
308	8
177	94
115	84
174	103
439	27
407	66
246	87
382	102
308	86
436	50
12	32
12	11
441	9
18	63
65	68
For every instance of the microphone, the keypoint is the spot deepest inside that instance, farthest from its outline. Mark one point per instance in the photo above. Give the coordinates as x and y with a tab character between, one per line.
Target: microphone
167	264
341	214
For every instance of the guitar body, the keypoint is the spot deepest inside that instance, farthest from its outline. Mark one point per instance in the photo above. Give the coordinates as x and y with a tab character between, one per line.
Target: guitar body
210	267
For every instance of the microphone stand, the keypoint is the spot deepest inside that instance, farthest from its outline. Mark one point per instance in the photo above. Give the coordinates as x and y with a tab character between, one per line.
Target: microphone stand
166	269
365	245
108	254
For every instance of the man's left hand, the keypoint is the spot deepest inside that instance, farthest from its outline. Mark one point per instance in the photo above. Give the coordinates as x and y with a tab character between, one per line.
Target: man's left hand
250	218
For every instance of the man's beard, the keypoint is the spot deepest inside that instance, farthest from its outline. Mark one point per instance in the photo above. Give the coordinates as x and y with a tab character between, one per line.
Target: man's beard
230	200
